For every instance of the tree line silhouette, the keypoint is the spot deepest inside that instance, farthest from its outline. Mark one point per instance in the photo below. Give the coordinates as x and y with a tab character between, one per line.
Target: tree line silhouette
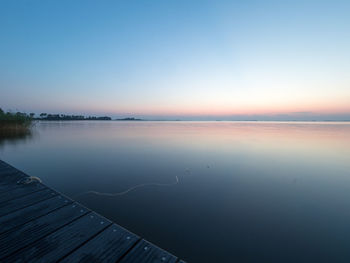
64	117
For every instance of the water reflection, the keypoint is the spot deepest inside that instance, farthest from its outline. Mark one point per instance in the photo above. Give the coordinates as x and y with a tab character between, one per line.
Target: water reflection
246	191
13	136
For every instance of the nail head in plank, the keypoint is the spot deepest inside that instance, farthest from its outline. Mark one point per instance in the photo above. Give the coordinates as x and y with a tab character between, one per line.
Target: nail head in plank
22	190
19	203
29	213
145	252
108	246
63	241
24	235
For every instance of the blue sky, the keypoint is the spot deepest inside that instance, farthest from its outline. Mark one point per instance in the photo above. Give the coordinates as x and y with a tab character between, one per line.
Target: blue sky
177	59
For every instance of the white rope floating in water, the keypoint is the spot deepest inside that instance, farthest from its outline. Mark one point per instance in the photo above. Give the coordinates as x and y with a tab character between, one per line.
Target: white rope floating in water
29	180
129	189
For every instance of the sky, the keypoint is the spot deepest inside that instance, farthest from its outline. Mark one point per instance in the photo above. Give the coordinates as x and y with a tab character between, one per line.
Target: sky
174	59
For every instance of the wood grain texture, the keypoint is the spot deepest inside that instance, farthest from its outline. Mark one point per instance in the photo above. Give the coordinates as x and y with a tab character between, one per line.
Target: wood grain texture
24	235
3	164
58	244
32	212
21	190
145	252
9	177
19	203
107	247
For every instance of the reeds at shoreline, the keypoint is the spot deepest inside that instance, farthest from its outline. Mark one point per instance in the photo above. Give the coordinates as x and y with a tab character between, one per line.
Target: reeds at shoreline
14	124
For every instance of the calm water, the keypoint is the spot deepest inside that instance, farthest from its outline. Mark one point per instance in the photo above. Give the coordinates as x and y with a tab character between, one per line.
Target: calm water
246	191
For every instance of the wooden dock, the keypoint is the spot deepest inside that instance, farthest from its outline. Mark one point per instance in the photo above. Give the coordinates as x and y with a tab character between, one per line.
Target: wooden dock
38	224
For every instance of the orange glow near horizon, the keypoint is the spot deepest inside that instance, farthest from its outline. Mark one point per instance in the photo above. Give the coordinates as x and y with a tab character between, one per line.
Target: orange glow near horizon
227	110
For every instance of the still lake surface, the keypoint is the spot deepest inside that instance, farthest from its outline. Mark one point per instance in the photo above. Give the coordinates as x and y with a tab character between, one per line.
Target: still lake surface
214	191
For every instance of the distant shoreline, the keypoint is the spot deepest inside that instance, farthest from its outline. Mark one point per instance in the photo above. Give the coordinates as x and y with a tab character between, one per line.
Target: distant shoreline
65	117
150	120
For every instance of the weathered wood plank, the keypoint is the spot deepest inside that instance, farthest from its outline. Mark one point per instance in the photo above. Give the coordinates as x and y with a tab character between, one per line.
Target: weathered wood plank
58	244
2	163
29	213
145	252
10	187
35	230
9	181
22	190
5	187
7	170
24	201
6	165
108	246
7	175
